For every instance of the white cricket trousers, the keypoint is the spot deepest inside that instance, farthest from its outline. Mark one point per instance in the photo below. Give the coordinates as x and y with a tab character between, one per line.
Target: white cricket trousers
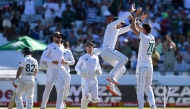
89	91
116	59
26	86
144	74
66	84
52	75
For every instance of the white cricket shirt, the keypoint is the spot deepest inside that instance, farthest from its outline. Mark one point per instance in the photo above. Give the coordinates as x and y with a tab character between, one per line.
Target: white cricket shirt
147	43
112	33
69	59
88	63
53	52
29	65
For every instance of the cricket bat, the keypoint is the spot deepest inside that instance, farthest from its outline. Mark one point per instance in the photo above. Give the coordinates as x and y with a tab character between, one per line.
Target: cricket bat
12	100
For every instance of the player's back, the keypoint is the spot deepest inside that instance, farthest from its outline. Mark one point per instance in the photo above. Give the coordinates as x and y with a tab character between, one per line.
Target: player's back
147	43
29	65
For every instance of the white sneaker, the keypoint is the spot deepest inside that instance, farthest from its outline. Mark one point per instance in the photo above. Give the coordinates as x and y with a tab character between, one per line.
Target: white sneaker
112	79
153	107
112	90
94	100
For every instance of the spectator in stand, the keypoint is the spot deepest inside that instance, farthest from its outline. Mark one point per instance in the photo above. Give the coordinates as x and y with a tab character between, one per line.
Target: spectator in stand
115	7
67	17
155	59
103	8
186	55
72	39
165	23
175	23
49	9
159	45
29	11
185	24
155	27
91	12
80	15
7	22
126	50
180	65
169	49
58	14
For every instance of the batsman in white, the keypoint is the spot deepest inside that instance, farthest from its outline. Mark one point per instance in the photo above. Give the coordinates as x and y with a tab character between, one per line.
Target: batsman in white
67	61
24	81
88	67
144	70
114	57
53	55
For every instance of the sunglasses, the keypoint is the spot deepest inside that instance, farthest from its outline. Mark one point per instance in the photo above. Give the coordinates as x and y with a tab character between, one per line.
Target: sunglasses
59	37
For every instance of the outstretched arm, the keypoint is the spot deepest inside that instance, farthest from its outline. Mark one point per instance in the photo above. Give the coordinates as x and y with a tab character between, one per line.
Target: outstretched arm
133	24
122	18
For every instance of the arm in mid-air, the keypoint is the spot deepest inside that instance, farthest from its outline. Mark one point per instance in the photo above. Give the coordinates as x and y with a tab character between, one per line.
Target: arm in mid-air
134	28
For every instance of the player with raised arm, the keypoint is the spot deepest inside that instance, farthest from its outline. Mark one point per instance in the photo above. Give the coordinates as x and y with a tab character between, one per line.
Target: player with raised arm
144	70
112	56
53	55
88	67
24	81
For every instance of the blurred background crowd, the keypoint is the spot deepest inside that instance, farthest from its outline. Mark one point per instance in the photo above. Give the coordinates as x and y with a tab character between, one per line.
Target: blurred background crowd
85	20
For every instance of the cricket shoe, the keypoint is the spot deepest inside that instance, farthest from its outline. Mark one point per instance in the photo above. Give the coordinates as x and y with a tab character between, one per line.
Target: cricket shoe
94	100
112	79
153	107
64	105
112	90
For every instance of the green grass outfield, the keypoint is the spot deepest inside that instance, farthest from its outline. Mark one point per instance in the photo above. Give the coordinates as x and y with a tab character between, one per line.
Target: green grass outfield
104	108
115	108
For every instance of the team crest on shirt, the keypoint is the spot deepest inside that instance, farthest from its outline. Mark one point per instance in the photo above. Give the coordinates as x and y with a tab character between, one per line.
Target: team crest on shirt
86	59
54	48
20	62
46	48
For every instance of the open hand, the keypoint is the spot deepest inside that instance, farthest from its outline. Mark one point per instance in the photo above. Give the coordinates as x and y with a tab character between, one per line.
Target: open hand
138	11
132	8
143	16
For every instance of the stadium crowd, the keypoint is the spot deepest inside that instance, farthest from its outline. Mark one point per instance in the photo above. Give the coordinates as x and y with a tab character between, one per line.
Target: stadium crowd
85	20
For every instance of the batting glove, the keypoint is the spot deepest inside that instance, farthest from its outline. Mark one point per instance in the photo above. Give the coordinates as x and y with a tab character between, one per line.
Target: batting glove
15	82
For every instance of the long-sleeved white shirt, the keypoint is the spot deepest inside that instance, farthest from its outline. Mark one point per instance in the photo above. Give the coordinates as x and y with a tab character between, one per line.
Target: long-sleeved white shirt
53	52
69	59
88	63
112	33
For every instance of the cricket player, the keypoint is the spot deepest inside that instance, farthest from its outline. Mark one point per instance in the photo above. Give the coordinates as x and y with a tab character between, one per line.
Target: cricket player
144	70
114	57
24	81
53	55
88	68
67	61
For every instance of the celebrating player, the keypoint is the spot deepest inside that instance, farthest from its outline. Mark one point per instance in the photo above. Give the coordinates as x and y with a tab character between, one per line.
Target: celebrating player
88	68
144	69
113	57
68	60
24	81
53	55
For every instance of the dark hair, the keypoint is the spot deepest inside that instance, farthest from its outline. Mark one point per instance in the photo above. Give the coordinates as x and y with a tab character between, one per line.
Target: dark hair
147	27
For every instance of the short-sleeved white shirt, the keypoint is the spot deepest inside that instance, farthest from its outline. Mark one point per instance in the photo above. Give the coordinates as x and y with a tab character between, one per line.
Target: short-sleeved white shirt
147	43
29	65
